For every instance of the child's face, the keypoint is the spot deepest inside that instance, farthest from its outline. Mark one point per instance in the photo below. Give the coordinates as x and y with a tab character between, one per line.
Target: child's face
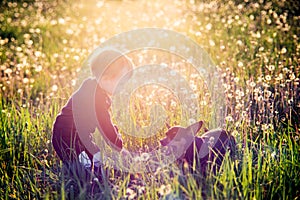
109	84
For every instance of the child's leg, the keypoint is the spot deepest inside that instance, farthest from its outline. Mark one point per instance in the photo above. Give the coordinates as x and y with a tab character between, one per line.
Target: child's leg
66	144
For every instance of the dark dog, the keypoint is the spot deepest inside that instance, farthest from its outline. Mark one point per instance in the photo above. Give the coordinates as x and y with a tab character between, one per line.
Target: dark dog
198	151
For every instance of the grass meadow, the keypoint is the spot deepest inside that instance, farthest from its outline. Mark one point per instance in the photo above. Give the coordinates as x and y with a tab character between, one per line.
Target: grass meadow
254	44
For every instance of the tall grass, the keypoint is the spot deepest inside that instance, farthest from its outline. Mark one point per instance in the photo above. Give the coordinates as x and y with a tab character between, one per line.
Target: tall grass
255	45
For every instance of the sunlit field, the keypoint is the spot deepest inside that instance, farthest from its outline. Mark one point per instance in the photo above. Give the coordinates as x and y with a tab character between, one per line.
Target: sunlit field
254	46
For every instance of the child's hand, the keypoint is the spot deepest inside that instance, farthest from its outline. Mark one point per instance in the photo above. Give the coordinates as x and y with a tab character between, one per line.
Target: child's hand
98	159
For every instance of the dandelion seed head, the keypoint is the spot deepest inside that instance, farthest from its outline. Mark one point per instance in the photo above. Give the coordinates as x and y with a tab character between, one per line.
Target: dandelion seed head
240	64
273	154
229	118
54	88
239	42
268	77
252	84
212	43
283	50
25	80
208	26
145	156
292	76
236	79
38	68
165	189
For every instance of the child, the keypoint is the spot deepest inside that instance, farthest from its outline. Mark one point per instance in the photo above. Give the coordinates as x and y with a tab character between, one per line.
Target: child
87	109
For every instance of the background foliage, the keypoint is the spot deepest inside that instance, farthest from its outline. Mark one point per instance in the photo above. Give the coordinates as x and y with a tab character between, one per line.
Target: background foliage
255	45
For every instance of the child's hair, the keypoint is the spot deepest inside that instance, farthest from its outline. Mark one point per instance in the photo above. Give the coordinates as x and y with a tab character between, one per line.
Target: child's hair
102	63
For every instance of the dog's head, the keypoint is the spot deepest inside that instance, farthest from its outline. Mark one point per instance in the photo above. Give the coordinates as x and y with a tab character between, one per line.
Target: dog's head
178	138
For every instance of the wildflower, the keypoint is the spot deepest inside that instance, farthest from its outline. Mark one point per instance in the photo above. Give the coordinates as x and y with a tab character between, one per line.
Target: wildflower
69	31
54	88
239	42
192	120
208	26
292	76
271	67
2	42
25	80
240	64
194	96
290	101
130	193
283	50
268	93
76	58
73	82
258	35
229	118
273	154
19	49
261	49
230	95
240	6
252	84
37	53
145	156
173	73
270	40
198	33
165	190
61	21
38	68
260	98
137	159
264	127
268	77
53	22
203	103
235	133
212	43
8	71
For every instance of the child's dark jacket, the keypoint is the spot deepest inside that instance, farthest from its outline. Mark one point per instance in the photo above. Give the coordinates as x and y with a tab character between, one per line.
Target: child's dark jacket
86	110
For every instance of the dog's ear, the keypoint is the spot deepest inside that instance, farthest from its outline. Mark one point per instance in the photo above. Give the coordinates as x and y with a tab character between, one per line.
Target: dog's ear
196	127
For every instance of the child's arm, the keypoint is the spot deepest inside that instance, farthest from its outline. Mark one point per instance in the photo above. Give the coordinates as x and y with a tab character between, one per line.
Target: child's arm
105	125
108	130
